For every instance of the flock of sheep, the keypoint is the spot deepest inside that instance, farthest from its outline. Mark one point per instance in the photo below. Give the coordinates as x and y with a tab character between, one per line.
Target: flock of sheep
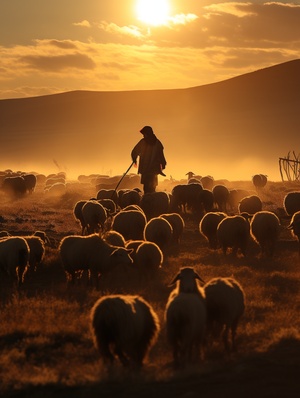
125	229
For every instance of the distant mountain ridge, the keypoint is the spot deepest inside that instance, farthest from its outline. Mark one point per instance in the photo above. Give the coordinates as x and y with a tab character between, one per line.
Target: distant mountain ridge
244	122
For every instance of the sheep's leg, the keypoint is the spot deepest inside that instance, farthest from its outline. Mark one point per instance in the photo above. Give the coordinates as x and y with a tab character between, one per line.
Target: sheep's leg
105	353
225	338
233	334
123	359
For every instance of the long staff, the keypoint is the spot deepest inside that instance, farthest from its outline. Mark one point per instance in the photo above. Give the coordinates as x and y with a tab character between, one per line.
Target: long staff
122	179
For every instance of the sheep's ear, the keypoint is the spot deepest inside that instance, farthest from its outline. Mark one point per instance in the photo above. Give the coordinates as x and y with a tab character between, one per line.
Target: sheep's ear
176	278
291	226
197	276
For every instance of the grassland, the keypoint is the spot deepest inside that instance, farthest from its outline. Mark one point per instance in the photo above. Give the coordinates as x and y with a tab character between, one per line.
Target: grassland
46	347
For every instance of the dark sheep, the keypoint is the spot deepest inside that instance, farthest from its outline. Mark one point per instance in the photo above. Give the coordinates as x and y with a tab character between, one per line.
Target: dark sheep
233	232
225	303
124	327
221	195
291	202
250	204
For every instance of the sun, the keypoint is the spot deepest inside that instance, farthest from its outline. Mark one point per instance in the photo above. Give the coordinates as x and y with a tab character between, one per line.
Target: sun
153	12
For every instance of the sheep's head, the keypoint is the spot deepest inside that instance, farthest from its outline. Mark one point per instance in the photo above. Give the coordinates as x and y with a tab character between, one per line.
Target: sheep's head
187	278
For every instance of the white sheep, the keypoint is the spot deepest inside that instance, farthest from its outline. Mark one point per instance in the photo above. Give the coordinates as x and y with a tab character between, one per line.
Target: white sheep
233	232
94	216
130	224
225	303
91	253
265	229
294	226
14	256
124	327
159	231
185	317
208	227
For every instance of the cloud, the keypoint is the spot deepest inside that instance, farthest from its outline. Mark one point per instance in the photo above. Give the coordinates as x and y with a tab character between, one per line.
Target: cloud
58	63
64	44
112	28
83	24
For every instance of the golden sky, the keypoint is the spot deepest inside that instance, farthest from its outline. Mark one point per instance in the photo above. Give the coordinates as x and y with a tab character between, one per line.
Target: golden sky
114	45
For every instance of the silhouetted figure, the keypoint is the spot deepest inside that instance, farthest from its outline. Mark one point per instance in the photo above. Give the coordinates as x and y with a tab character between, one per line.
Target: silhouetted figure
152	160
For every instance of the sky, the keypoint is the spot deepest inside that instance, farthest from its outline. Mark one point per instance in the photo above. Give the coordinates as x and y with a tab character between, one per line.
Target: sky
48	47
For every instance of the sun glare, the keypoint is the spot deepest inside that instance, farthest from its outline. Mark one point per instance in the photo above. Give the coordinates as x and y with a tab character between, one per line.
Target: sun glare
153	12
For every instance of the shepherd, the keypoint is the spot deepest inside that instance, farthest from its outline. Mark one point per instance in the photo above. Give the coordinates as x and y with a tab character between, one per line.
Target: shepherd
151	159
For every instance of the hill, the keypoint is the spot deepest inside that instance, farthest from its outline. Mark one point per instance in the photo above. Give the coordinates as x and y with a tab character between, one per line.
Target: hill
230	129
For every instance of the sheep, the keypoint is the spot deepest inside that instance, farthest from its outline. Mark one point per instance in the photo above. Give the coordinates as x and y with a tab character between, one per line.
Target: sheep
77	212
265	228
43	236
124	327
185	317
154	204
250	204
148	258
114	238
14	186
14	257
4	234
190	175
108	194
129	197
159	231
94	216
234	232
235	196
133	246
91	253
221	195
294	226
206	200
208	227
109	205
36	254
291	202
186	196
194	180
259	181
130	224
30	182
225	303
207	182
57	189
177	224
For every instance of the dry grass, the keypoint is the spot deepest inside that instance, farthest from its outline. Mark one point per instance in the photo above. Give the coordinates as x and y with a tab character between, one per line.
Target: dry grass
45	340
